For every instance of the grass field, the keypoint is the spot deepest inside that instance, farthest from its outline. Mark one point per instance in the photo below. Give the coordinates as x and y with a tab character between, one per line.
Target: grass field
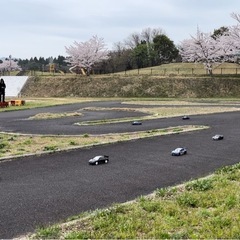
184	69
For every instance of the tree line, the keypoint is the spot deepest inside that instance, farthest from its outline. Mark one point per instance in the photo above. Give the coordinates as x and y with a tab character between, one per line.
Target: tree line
42	64
149	48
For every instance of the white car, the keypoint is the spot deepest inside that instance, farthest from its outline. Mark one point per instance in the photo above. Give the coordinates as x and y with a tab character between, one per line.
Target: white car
217	137
185	117
179	151
136	123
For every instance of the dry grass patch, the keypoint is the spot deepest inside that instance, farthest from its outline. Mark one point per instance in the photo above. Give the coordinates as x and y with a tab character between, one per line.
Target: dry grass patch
54	115
16	144
158	112
179	111
204	102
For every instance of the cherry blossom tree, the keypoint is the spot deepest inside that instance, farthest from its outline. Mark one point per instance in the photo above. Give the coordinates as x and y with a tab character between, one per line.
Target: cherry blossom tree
206	49
234	32
9	64
212	50
85	54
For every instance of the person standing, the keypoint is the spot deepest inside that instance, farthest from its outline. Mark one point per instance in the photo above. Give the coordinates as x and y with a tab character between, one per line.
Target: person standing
2	90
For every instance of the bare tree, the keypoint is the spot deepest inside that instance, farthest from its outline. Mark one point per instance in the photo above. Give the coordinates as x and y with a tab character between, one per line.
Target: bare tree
119	48
236	16
133	40
148	34
86	54
235	30
235	35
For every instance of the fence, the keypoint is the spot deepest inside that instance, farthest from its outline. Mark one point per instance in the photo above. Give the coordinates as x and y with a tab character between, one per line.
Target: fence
157	71
181	71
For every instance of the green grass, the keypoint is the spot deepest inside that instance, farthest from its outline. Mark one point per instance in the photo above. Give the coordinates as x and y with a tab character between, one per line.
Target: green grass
50	148
48	233
184	69
205	208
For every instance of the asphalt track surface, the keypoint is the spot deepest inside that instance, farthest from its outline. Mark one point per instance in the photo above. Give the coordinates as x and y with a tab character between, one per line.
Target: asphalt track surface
40	190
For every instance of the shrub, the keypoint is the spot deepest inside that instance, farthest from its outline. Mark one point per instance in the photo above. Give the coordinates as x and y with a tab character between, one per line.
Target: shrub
200	185
48	233
50	148
187	200
3	145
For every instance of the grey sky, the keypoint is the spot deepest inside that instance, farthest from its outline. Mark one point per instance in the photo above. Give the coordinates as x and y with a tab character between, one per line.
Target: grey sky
32	28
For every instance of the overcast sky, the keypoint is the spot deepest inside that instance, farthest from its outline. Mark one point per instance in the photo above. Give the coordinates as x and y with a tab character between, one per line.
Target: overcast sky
43	28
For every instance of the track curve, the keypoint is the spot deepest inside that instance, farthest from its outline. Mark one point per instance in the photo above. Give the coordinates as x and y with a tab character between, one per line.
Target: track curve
41	190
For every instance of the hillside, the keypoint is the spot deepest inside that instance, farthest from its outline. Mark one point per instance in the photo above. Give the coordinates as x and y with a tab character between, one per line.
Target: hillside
131	86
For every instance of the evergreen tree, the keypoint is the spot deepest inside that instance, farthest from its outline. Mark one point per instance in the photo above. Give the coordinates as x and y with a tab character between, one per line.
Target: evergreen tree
165	50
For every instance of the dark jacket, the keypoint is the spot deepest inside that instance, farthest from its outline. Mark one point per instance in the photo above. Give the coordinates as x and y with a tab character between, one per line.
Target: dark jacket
2	86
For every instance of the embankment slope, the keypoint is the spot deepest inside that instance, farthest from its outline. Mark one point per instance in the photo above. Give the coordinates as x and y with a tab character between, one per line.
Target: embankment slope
131	86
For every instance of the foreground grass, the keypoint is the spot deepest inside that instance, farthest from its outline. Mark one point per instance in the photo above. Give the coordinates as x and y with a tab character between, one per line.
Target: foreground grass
201	209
